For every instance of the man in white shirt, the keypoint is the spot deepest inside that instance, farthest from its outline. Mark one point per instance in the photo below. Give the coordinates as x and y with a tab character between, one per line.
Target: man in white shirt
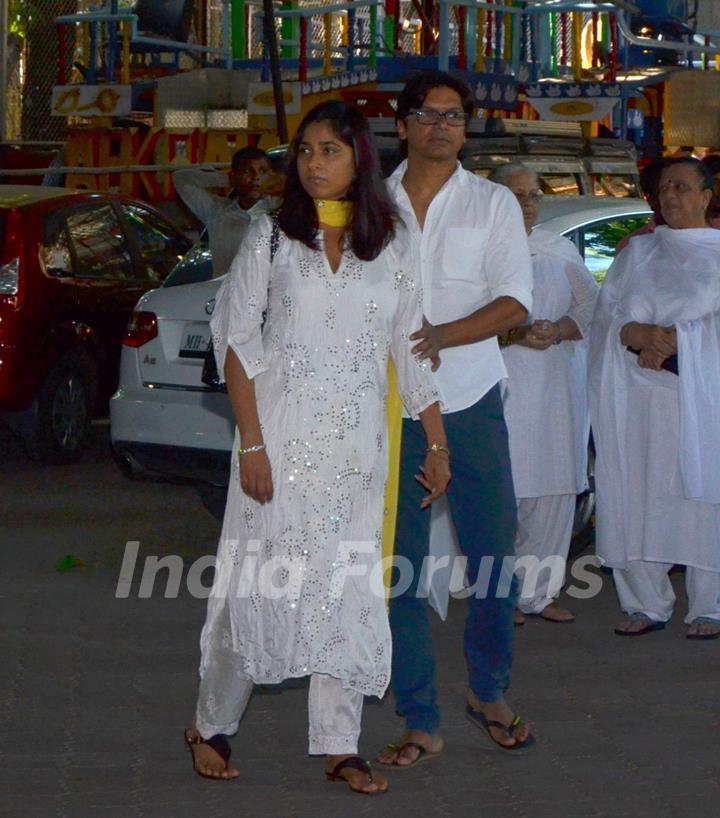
226	218
477	282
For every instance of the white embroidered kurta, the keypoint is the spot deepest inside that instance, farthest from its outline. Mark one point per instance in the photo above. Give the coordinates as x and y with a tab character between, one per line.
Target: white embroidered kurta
658	435
545	401
319	366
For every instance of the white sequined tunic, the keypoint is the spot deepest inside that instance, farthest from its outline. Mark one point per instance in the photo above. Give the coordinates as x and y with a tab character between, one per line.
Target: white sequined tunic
295	592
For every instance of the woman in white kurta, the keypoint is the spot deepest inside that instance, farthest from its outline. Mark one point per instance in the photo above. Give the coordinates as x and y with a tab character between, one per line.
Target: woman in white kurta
545	405
657	433
298	590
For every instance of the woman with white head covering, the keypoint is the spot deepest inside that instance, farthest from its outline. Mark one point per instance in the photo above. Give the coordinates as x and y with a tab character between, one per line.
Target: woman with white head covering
656	425
545	404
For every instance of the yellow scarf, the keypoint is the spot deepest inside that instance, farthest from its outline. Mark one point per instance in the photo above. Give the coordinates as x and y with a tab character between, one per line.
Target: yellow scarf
334	213
394	422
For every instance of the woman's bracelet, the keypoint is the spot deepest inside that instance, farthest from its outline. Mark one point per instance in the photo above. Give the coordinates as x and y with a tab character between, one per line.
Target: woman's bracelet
559	338
250	449
436	448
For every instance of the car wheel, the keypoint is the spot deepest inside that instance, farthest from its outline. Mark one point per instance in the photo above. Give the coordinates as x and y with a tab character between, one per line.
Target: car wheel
63	409
584	523
213	498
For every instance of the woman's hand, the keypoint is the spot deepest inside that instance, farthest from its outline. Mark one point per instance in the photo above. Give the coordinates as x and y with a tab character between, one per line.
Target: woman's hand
655	343
256	476
434	476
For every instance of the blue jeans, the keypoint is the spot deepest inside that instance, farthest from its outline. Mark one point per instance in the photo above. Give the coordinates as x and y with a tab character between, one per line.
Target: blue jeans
482	502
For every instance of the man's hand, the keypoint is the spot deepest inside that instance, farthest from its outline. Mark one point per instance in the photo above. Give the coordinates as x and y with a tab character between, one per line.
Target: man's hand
539	335
429	346
256	476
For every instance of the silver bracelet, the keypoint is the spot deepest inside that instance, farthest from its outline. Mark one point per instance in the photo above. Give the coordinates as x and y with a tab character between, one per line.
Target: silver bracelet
250	449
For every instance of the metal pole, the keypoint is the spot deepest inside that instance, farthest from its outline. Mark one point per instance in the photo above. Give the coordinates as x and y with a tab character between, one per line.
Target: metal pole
3	68
271	45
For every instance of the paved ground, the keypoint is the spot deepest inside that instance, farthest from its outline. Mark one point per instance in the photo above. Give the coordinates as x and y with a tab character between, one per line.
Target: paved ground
95	691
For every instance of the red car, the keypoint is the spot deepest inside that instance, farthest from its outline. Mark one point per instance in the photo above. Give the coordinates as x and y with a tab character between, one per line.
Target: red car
72	266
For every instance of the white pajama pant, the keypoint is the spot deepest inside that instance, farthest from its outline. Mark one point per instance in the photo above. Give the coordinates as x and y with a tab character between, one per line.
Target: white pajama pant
334	711
541	547
645	587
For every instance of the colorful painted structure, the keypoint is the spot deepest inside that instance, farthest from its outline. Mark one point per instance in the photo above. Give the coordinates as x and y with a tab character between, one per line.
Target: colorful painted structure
139	104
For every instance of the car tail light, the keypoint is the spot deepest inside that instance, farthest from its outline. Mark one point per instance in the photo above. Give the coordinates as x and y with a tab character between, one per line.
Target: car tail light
141	328
9	277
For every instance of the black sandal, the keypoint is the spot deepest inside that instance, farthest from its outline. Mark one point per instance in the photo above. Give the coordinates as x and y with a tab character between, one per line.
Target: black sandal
519	748
218	742
353	763
423	755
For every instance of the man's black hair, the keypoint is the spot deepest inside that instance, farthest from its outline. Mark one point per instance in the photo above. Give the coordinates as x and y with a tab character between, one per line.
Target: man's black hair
421	83
246	154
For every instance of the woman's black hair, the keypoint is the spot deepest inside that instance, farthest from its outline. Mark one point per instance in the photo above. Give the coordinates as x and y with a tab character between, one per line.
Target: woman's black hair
373	220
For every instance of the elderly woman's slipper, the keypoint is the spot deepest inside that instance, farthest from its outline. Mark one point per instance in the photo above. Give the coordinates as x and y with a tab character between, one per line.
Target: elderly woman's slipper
705	620
648	625
218	743
353	763
519	748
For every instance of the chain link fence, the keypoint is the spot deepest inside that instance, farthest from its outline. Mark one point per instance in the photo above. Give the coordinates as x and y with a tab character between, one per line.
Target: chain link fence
32	53
32	67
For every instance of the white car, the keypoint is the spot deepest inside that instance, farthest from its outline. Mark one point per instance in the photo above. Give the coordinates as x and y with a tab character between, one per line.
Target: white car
165	421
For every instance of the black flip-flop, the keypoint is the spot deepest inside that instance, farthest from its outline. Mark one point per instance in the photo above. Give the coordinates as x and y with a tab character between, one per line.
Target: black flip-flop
219	743
423	755
353	763
519	748
650	626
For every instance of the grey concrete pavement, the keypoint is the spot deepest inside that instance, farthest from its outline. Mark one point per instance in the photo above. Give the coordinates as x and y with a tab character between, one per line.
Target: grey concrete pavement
95	691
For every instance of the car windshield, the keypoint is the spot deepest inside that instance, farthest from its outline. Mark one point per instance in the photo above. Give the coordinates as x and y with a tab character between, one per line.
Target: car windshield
195	266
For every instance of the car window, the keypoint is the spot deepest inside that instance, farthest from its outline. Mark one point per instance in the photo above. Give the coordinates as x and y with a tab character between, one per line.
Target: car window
98	243
598	242
194	267
159	247
55	255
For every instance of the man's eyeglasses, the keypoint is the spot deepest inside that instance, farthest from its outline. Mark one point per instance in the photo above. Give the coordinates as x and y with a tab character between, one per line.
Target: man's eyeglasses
534	196
429	116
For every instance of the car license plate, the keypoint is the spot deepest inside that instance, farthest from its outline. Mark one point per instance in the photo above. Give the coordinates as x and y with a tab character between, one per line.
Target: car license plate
195	341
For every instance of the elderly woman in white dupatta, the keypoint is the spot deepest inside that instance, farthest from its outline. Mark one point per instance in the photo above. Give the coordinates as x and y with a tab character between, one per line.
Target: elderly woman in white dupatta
545	404
657	432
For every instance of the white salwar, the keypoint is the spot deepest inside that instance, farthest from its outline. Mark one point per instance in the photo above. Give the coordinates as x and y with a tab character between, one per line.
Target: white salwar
547	418
658	434
295	593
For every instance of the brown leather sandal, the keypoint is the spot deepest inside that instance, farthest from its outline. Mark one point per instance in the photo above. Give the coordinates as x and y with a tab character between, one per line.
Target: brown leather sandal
353	763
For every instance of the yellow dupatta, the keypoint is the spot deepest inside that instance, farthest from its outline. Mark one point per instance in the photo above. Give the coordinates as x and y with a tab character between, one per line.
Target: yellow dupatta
335	213
394	425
